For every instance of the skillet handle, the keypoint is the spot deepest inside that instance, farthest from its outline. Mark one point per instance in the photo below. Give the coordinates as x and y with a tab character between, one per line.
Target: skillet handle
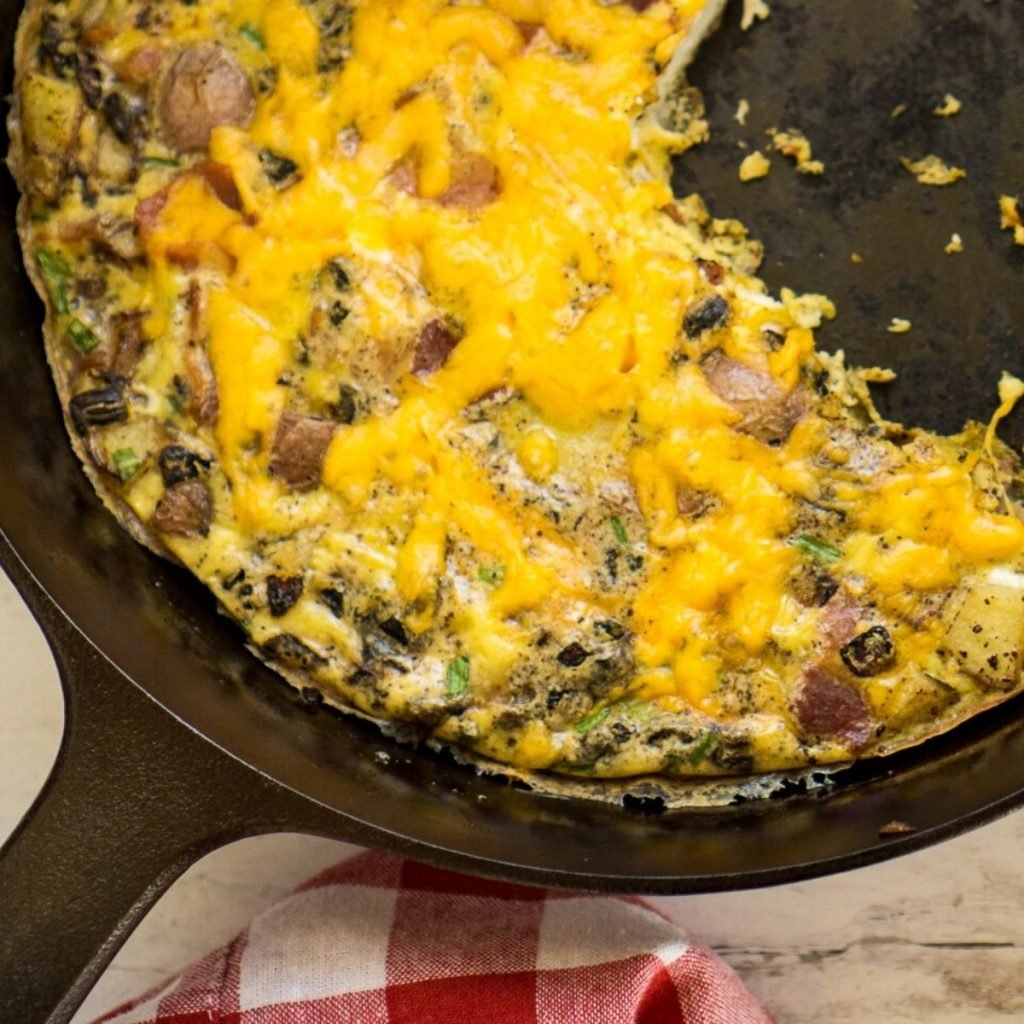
134	798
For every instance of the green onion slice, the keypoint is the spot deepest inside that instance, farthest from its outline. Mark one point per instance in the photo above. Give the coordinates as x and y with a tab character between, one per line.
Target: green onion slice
52	265
127	463
159	161
56	272
704	747
819	549
619	530
493	574
251	34
592	720
81	337
458	676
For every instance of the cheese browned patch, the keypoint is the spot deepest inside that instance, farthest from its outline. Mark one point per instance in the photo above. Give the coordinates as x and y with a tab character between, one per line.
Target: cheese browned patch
383	319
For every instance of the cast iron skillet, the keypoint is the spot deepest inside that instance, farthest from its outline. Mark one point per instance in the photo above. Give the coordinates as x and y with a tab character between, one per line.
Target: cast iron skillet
178	741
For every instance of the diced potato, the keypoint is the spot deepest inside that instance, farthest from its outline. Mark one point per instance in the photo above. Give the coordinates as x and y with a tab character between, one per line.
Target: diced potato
909	696
49	110
987	634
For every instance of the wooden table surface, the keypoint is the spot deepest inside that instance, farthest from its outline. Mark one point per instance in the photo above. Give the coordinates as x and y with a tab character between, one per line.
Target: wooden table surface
935	937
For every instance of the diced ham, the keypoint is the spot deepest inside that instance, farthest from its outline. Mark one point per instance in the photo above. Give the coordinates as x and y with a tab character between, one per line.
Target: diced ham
828	707
713	273
838	622
141	64
528	29
221	180
672	212
403	178
148	210
475	183
433	347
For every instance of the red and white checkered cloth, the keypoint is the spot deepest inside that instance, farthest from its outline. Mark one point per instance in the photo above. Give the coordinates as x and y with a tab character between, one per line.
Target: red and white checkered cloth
380	940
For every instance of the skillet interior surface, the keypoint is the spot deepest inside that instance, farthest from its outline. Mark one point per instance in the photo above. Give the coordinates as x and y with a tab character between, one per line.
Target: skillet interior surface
830	71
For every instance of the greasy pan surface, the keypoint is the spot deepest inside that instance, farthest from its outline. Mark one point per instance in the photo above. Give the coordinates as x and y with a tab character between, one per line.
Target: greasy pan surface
832	70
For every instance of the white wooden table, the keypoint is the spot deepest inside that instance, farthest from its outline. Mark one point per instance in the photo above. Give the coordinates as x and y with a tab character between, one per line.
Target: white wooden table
934	937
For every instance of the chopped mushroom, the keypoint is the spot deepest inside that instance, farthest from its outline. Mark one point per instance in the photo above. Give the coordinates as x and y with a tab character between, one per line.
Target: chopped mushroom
706	315
186	509
282	593
204	88
869	653
769	413
299	448
178	463
98	407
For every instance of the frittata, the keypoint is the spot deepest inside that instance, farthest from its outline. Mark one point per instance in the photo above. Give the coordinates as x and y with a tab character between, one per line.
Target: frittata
382	318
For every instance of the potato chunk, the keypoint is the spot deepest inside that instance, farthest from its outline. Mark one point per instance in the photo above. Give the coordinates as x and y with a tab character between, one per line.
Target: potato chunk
987	634
49	109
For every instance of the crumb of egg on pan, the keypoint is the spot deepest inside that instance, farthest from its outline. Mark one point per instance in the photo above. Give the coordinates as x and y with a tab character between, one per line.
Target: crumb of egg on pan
793	143
1011	216
949	106
896	828
898	325
955	244
898	111
933	170
753	10
742	109
755	166
855	257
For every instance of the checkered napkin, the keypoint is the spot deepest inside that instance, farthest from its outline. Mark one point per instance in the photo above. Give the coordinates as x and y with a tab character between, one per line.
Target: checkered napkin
380	940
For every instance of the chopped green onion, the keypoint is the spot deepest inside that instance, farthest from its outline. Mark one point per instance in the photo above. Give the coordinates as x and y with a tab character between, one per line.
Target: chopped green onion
819	549
159	161
52	265
458	676
81	337
493	574
251	34
642	710
127	463
56	271
59	294
619	530
594	719
704	747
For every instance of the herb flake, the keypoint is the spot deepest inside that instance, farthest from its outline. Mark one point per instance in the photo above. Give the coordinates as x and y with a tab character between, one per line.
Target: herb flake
704	746
126	463
81	337
592	720
492	574
159	161
619	530
458	676
55	272
819	549
251	34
